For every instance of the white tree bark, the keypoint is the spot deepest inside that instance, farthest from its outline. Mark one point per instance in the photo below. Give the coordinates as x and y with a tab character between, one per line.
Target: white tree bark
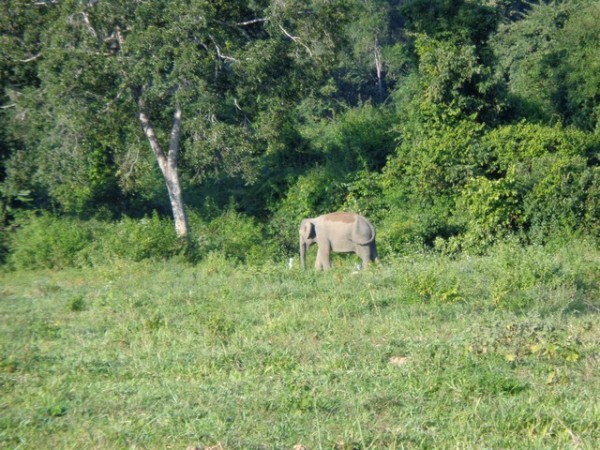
168	165
379	68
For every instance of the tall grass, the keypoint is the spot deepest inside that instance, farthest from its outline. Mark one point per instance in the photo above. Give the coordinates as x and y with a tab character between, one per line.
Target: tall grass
424	351
45	241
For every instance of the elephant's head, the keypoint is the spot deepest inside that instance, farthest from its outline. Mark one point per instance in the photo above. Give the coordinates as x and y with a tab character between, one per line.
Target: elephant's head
308	236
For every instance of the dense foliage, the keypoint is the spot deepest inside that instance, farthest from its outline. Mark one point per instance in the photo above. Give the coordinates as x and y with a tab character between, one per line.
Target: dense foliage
452	124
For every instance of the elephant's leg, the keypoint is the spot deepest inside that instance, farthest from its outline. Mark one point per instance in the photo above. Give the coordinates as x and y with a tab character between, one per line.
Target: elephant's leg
364	254
323	262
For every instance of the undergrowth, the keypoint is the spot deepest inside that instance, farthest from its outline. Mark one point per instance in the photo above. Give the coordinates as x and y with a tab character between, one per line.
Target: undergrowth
45	241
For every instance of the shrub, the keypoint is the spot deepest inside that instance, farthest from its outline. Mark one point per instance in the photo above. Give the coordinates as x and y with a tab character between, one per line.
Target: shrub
489	210
553	173
522	143
365	195
46	242
136	239
404	231
356	139
421	182
435	159
540	182
234	236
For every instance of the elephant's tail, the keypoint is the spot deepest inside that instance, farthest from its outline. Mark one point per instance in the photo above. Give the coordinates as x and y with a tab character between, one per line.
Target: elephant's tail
364	232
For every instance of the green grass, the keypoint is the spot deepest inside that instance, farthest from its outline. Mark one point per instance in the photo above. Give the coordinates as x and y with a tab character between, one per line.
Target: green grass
422	352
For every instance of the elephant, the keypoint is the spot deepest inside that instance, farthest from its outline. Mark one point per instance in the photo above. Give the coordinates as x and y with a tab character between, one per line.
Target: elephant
342	232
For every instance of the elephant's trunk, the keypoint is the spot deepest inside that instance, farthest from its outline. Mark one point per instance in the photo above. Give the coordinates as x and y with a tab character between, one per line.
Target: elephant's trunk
303	247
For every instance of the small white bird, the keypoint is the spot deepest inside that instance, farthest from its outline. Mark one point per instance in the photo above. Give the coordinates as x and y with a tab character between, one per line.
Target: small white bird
290	263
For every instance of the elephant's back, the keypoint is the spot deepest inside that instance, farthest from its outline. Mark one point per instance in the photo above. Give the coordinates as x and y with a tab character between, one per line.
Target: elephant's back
340	216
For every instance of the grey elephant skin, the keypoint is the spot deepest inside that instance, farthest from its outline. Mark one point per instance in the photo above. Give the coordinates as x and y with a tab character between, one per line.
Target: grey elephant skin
342	232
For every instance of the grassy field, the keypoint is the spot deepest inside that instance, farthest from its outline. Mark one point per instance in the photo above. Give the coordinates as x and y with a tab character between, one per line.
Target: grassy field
422	352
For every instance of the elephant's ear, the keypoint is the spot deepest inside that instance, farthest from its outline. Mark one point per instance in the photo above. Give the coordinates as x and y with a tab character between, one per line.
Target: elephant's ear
308	230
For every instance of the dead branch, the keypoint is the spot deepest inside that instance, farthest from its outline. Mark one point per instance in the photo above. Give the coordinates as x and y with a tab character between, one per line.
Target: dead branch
32	58
252	21
219	54
296	40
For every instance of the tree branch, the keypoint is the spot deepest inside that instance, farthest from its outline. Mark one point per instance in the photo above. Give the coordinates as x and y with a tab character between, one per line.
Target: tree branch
296	40
252	21
91	29
219	54
46	3
238	25
32	58
243	23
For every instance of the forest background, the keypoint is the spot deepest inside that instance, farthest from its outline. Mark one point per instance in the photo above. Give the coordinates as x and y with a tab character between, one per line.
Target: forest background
453	125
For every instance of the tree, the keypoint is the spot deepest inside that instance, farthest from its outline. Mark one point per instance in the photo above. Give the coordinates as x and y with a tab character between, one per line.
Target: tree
469	21
162	59
550	59
196	77
376	54
21	23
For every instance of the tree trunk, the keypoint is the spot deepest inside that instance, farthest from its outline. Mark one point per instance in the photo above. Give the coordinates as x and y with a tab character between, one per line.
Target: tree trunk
168	165
380	71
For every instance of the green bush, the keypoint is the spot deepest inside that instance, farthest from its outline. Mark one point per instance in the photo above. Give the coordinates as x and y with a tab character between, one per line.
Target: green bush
489	211
421	182
554	177
136	239
356	139
45	241
404	231
565	197
365	195
435	159
234	236
522	143
536	181
48	242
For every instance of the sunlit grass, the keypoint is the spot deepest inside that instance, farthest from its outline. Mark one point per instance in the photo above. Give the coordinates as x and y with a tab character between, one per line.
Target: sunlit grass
424	351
